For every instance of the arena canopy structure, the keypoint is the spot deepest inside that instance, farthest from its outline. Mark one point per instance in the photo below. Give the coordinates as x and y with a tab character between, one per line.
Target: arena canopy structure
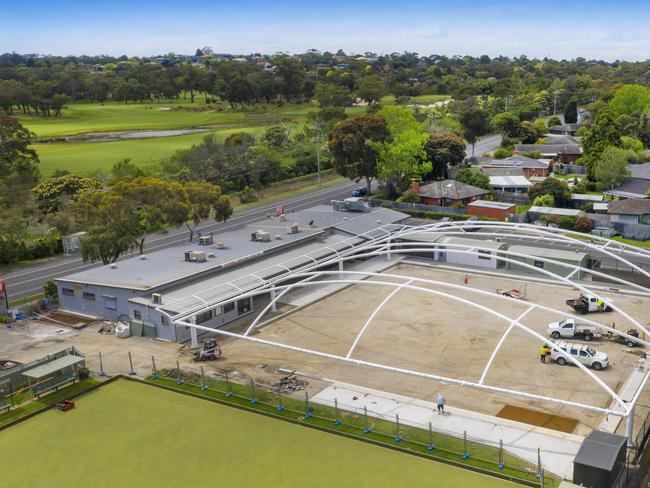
387	241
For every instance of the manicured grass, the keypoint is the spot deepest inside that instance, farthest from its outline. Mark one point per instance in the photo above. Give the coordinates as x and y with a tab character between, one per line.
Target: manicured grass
631	242
44	401
89	157
29	299
127	434
419	99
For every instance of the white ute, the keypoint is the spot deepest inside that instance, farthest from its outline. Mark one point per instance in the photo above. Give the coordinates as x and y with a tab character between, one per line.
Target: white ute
584	353
569	328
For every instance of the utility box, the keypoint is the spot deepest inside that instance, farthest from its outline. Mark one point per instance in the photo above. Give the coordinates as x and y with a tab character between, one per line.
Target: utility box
205	240
600	460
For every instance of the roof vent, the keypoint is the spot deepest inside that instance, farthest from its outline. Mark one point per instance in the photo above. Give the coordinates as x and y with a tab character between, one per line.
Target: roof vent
220	245
293	228
195	256
211	255
156	298
278	237
113	266
143	257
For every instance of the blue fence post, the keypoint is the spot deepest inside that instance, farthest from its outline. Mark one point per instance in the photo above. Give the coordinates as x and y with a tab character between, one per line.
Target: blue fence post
337	420
308	411
431	445
154	371
502	464
203	385
131	372
253	396
398	436
180	376
366	430
228	386
280	406
465	452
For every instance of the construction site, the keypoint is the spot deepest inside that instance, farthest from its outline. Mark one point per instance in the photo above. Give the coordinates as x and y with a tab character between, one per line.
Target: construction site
530	350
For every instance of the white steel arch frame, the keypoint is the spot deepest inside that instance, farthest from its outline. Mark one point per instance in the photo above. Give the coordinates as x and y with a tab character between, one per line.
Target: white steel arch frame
385	245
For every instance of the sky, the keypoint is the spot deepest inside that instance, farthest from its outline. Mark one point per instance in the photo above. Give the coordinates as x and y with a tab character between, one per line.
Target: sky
594	29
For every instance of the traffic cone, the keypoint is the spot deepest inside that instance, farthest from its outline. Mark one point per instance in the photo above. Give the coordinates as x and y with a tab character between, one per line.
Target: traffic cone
466	280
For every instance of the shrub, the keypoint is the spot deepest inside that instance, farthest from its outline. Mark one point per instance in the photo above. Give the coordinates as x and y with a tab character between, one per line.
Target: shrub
502	153
409	196
84	374
248	195
554	120
567	222
552	219
544	201
532	154
582	224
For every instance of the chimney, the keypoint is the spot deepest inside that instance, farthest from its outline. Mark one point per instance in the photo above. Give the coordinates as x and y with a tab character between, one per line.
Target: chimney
415	186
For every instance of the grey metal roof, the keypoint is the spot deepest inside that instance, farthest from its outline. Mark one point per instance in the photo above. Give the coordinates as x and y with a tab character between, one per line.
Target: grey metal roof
631	206
556	254
632	188
502	171
641	171
491	204
168	265
510	182
53	366
230	283
555	211
549	148
600	450
587	198
451	190
517	161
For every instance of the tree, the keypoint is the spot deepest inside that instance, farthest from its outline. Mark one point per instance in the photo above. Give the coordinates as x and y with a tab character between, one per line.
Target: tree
370	89
571	112
630	100
474	178
353	156
329	95
530	133
602	134
544	201
403	155
611	168
239	91
476	124
551	186
18	162
444	150
50	290
204	200
124	170
582	224
52	194
507	124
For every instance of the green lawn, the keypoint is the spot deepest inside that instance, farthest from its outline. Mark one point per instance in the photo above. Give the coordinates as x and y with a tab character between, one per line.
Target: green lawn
88	157
419	99
126	434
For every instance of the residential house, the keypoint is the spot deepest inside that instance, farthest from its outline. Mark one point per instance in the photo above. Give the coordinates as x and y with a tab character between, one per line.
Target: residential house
492	210
448	192
631	211
564	149
529	166
510	184
637	186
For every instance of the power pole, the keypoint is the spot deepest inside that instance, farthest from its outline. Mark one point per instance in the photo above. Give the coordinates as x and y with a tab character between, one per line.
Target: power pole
318	136
555	94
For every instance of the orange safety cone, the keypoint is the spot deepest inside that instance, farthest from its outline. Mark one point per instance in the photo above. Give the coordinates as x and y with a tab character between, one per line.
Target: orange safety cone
466	280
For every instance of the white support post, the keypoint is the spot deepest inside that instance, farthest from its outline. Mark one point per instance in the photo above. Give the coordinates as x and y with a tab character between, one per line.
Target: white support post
388	255
629	426
194	343
274	307
340	268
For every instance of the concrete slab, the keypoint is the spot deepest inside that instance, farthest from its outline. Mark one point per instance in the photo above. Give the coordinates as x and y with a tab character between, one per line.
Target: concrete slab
557	448
611	422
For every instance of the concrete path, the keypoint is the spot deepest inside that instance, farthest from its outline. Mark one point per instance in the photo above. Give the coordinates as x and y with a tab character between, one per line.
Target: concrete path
611	422
557	448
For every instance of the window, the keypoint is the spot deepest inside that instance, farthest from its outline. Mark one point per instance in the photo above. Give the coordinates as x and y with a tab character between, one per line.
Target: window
203	317
243	306
583	354
89	296
110	303
137	315
228	307
483	254
574	352
67	291
538	264
163	320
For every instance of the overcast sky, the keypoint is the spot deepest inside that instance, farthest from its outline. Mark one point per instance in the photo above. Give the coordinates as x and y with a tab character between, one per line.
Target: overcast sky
595	29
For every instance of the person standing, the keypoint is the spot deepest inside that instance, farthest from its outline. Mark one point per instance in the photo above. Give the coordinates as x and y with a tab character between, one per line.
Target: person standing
544	351
440	402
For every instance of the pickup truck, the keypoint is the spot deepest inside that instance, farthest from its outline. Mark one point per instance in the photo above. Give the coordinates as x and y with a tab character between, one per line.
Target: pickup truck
587	303
585	354
569	328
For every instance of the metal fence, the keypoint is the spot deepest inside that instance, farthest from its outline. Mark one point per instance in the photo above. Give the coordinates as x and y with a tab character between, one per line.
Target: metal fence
467	451
416	207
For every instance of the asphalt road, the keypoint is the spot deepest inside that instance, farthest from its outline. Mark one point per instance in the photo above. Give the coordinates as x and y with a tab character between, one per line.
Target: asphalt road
28	280
485	144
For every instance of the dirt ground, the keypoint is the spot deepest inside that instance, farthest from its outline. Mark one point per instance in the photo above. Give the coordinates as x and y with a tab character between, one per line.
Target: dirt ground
414	330
439	335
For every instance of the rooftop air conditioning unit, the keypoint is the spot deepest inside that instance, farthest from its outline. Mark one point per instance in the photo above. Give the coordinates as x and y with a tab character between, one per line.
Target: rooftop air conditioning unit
205	240
261	236
293	228
156	298
195	256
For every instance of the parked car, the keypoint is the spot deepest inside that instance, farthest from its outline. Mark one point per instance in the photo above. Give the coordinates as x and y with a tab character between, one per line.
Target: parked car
569	328
584	353
359	192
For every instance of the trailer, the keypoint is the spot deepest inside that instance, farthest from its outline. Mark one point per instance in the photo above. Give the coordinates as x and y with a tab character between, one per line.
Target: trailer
569	328
588	303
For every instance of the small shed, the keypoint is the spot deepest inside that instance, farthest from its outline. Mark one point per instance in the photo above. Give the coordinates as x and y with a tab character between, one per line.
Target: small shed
600	460
493	210
535	255
54	373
